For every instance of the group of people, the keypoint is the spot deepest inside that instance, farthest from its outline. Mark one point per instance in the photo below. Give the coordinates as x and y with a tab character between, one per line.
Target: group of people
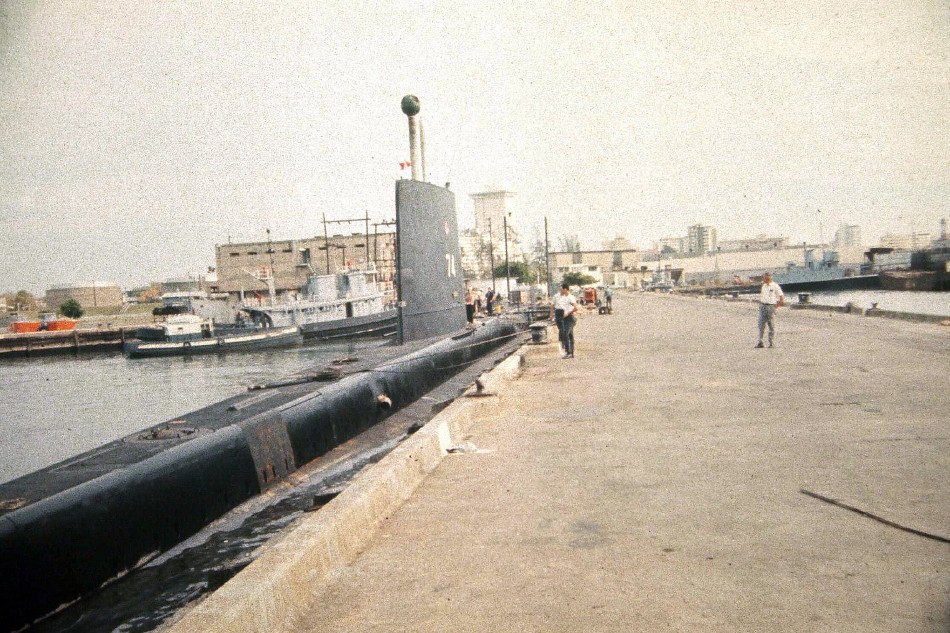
474	300
565	305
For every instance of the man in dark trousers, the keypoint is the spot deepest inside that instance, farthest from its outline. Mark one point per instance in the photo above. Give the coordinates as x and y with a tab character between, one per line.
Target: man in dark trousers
563	309
489	301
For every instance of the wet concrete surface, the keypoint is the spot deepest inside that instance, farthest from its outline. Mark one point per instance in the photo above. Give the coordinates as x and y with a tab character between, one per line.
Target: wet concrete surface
654	483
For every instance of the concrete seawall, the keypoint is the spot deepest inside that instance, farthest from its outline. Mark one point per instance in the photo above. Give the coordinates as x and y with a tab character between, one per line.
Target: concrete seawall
874	312
652	483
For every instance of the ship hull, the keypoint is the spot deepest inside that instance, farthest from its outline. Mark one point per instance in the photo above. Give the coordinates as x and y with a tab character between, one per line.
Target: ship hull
264	339
856	282
909	280
379	324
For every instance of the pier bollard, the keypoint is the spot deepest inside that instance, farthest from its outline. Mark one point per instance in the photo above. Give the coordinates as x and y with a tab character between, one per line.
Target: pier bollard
539	333
804	297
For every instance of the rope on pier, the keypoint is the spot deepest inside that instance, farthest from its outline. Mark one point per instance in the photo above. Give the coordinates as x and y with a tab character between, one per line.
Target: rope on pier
874	517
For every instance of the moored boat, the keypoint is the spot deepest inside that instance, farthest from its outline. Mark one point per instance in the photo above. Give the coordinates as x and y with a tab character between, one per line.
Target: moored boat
330	306
188	334
23	326
824	274
60	325
48	322
908	279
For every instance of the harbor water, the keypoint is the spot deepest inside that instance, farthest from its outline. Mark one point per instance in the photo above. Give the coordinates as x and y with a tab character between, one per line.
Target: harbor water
914	302
54	408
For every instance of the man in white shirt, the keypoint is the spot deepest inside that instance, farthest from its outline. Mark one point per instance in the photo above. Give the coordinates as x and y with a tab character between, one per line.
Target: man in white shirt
770	298
563	309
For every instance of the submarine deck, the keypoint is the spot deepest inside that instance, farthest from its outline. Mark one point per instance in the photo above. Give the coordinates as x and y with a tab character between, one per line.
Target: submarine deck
151	441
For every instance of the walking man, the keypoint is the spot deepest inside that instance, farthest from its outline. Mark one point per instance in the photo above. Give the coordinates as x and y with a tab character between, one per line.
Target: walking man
770	298
563	309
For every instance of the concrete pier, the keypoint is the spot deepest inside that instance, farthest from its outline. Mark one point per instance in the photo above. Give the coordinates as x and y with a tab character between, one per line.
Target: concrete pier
654	483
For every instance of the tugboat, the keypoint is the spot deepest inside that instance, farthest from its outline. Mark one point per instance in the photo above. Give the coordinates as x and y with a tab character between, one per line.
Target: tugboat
329	306
187	334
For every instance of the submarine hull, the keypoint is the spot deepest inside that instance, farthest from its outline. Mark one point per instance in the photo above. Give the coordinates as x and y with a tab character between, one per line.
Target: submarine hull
110	510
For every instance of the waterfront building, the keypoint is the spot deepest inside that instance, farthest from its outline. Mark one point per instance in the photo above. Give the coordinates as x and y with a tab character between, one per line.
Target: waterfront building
920	240
197	283
618	243
670	244
701	239
698	268
894	241
848	235
291	262
906	241
757	243
91	294
577	261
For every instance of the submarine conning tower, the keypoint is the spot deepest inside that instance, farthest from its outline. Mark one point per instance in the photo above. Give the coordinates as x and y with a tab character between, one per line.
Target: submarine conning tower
429	280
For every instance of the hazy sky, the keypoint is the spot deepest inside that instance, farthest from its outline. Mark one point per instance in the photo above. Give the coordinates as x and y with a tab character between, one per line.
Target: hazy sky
134	136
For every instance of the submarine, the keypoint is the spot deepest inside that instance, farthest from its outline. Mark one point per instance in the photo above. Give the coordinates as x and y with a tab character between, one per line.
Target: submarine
71	528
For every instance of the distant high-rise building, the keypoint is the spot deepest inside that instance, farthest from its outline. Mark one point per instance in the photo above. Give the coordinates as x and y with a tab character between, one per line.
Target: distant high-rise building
491	208
701	239
493	212
848	235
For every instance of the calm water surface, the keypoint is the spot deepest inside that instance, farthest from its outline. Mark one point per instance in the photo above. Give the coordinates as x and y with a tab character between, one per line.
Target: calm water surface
916	302
58	407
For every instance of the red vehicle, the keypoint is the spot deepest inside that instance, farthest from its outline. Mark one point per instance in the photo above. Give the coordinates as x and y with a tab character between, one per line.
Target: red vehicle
589	296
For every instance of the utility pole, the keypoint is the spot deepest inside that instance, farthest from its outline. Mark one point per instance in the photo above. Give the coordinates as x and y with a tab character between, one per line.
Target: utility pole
270	253
376	258
507	265
366	253
491	258
547	261
326	241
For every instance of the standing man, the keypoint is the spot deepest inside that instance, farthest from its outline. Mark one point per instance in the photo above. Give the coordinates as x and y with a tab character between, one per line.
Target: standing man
770	298
563	309
470	307
489	301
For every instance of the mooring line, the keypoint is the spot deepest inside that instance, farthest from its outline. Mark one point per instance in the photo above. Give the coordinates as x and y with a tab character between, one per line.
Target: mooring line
874	517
